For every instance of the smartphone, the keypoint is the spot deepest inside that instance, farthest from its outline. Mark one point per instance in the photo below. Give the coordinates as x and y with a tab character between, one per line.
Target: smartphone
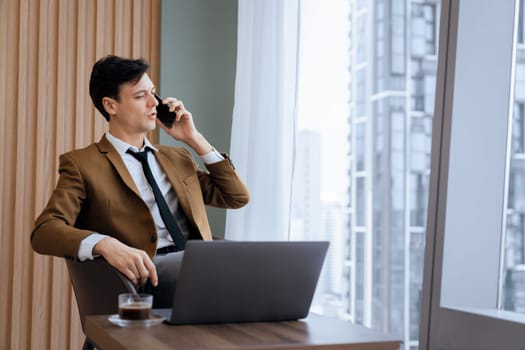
163	112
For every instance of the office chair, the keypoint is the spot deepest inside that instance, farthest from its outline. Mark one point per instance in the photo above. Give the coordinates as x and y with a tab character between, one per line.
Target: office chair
96	285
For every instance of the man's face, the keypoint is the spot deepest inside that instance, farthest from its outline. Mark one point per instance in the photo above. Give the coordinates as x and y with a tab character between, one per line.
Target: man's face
135	112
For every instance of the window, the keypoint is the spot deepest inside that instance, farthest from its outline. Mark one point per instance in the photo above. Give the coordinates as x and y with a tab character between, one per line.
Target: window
380	32
360	148
397	36
360	92
423	29
361	39
369	155
521	23
518	129
475	226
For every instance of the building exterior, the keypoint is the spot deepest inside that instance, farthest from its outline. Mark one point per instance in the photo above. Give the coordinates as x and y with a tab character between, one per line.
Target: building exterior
393	76
514	251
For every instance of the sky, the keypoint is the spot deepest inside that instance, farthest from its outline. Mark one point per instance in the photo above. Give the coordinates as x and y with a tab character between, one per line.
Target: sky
323	92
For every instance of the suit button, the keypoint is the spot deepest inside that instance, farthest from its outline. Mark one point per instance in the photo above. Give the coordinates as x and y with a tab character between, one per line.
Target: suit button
153	239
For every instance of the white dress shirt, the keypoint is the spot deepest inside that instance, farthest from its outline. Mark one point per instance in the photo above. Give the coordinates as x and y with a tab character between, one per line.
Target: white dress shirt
135	169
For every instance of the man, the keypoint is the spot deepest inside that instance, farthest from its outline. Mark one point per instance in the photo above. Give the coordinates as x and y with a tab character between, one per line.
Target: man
105	205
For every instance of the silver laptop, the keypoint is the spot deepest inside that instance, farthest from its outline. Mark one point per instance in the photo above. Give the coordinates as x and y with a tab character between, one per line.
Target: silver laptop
231	281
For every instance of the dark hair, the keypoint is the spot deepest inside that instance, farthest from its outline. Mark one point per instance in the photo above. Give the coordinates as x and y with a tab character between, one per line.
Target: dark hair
109	73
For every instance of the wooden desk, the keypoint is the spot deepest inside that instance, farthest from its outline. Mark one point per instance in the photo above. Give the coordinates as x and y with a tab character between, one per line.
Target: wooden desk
313	332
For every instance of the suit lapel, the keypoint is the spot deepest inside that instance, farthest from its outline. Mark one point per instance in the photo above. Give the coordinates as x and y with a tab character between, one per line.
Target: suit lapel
105	147
173	175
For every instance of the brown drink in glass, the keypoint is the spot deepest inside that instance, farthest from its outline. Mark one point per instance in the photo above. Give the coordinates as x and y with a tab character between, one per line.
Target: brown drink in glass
135	306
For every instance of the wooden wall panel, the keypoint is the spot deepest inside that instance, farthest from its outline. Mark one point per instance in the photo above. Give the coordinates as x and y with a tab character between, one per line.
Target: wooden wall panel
47	49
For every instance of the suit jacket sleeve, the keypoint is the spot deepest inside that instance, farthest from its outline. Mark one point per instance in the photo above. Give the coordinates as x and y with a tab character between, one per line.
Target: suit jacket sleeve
54	232
222	186
219	185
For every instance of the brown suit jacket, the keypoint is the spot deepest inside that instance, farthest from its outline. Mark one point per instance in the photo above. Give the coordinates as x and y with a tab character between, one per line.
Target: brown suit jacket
96	193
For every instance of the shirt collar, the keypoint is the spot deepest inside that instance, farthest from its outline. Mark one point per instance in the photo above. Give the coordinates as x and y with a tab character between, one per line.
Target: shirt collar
122	146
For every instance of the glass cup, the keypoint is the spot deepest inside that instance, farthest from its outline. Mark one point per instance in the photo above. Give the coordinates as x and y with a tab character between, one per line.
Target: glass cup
134	306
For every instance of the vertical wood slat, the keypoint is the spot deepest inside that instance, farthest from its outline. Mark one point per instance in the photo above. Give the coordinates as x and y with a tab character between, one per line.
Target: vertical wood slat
17	244
44	173
25	158
47	48
8	165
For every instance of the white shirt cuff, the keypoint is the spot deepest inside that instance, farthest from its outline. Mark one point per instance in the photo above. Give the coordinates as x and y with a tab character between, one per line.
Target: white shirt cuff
85	251
212	157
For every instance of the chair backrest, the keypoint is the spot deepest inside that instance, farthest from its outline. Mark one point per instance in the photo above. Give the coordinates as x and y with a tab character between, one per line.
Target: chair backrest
97	285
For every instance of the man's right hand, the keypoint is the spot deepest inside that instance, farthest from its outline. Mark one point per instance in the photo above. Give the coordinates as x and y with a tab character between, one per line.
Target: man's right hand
134	263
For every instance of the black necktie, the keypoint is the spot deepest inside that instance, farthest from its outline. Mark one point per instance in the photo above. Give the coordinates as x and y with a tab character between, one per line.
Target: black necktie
165	212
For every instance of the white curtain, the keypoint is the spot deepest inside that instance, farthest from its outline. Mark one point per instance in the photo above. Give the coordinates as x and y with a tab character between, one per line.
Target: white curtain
262	141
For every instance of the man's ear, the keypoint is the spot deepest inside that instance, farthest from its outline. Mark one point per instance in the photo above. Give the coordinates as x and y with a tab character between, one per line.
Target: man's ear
110	105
